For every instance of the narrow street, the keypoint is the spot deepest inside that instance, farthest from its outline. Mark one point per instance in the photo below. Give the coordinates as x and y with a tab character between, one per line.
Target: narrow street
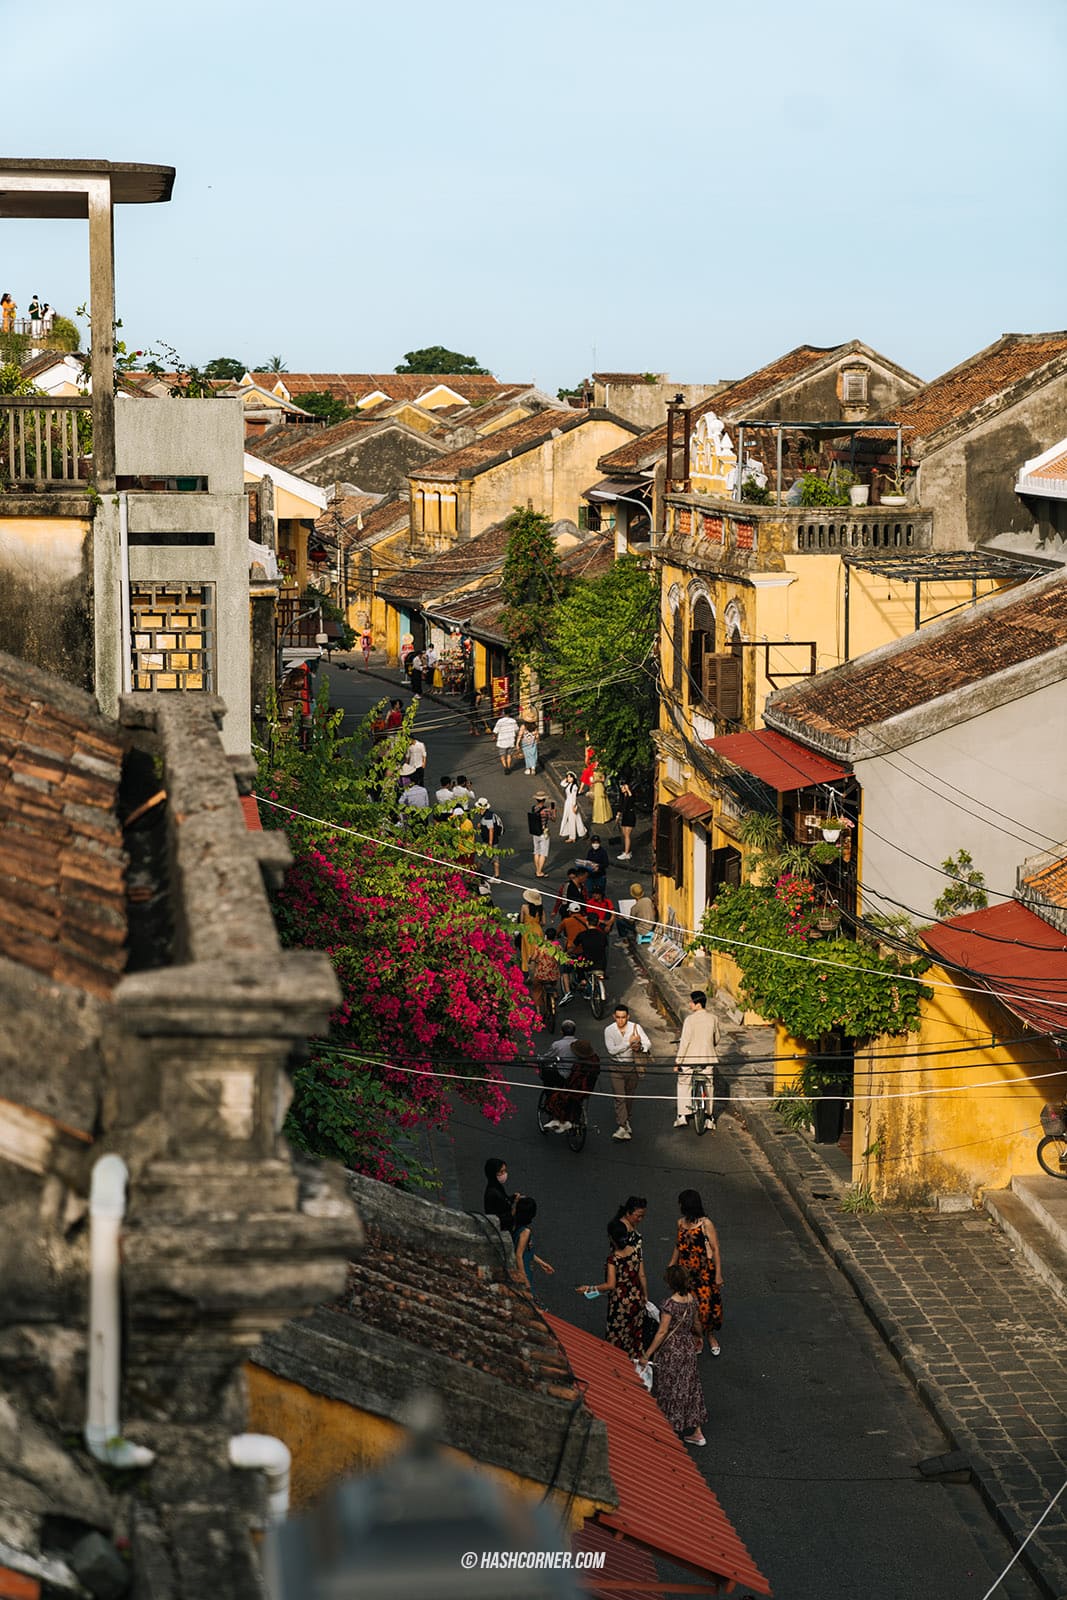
814	1434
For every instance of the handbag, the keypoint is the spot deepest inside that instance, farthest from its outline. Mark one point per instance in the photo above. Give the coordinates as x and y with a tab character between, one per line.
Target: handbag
644	1372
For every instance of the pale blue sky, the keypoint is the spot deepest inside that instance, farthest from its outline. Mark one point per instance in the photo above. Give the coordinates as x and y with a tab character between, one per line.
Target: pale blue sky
692	188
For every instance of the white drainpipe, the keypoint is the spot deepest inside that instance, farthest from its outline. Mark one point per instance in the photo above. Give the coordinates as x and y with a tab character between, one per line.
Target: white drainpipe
107	1207
267	1454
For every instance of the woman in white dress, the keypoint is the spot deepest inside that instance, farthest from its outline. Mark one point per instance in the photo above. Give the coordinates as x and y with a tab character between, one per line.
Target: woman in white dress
571	826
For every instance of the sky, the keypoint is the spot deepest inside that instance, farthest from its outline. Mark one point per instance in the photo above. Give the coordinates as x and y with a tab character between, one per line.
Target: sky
573	186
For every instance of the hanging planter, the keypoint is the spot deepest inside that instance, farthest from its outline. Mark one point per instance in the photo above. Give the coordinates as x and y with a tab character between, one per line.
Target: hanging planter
827	919
832	833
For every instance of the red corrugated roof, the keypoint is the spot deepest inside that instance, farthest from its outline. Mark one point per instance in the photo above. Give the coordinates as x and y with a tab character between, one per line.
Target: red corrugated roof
690	806
779	761
628	1571
1018	956
664	1504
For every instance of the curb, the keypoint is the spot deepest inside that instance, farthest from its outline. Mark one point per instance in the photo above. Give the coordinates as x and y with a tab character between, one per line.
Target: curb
1051	1575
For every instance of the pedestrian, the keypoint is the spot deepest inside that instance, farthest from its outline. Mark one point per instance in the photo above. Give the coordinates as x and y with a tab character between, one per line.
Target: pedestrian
589	770
537	823
528	746
674	1351
604	907
626	1289
522	1238
413	766
572	888
562	1049
35	317
697	1250
573	923
626	817
627	1044
465	829
366	642
572	826
443	795
7	313
631	1214
462	792
491	830
415	670
546	971
591	945
597	857
429	660
531	926
642	914
415	797
696	1047
497	1202
506	734
602	812
565	1104
395	716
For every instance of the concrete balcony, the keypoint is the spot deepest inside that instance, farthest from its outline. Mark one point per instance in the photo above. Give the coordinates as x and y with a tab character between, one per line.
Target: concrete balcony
712	532
45	445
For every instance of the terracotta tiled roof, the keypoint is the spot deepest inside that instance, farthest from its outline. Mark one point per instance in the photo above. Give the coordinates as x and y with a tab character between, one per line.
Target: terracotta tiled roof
735	398
1050	881
351	387
473	557
927	665
519	436
62	888
989	373
590	559
386	515
479	417
318	440
1056	468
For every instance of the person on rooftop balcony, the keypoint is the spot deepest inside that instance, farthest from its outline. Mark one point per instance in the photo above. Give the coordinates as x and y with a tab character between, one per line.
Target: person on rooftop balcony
7	313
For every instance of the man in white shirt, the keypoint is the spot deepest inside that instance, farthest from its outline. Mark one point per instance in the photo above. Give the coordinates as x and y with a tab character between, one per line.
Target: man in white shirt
444	795
462	793
698	1045
414	759
506	732
415	797
627	1044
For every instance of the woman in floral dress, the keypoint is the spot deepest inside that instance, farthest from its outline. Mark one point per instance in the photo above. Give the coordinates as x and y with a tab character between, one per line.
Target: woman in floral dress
697	1250
673	1353
626	1289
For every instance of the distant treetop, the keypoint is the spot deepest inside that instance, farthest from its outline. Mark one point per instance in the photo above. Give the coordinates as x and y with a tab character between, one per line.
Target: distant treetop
435	358
225	367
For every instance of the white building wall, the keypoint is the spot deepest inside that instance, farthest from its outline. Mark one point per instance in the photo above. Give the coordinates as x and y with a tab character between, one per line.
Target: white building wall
995	785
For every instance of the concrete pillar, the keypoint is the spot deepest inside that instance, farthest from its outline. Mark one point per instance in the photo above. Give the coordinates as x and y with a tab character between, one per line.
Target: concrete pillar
102	311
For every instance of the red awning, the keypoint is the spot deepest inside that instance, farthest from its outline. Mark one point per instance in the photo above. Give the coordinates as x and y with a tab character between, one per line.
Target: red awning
781	762
691	807
664	1504
1020	959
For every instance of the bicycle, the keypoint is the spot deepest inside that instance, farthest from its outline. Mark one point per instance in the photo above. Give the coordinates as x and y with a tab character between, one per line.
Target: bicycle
553	1080
588	984
702	1094
1052	1149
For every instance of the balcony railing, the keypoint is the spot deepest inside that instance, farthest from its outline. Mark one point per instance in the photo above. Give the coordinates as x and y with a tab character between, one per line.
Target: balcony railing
44	444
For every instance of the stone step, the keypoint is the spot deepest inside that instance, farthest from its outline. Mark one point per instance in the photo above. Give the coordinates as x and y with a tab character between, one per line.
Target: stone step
1046	1198
1041	1248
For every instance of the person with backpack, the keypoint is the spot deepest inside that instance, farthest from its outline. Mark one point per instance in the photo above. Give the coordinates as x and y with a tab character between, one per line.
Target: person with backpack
490	830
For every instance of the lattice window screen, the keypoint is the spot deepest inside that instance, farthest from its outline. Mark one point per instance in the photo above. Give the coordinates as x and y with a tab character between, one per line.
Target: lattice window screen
173	627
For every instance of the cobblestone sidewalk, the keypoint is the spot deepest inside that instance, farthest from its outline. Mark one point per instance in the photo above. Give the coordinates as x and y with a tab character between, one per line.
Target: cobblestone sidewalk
981	1338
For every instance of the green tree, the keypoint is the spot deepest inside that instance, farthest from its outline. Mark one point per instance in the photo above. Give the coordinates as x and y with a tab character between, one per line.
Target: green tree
435	358
533	585
64	335
602	645
225	367
321	403
966	892
273	364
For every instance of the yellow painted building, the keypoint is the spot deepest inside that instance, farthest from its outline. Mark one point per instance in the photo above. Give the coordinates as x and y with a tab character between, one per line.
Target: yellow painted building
297	505
546	460
755	598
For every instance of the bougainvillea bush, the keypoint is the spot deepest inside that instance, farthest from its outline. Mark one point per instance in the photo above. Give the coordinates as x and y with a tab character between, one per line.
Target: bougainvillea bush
432	999
768	930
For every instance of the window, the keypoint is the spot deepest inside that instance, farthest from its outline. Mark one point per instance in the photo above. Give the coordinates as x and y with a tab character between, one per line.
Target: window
854	386
724	868
701	643
670	860
723	685
173	635
677	652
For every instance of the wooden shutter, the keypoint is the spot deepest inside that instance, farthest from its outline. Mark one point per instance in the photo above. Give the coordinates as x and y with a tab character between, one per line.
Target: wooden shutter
677	849
664	862
723	685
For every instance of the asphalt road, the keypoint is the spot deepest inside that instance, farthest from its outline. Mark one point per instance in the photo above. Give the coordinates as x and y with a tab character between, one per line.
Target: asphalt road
814	1434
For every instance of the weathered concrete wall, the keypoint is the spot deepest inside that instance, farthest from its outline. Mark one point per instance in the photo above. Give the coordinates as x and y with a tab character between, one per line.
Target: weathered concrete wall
969	481
46	585
817	395
187	438
904	804
646	403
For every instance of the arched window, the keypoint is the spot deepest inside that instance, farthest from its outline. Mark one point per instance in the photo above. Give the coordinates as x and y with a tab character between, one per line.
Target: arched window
677	643
701	643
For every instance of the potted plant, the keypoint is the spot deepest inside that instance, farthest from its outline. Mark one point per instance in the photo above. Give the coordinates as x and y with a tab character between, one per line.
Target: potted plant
896	483
833	826
859	493
824	853
827	1087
